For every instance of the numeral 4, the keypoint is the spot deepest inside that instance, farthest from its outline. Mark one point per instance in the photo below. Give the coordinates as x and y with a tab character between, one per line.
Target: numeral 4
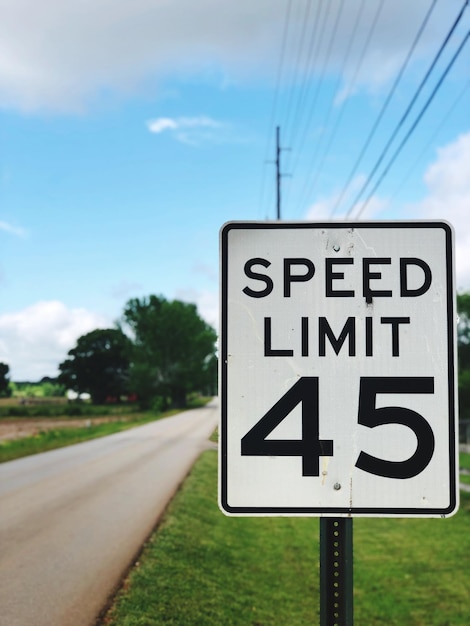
310	447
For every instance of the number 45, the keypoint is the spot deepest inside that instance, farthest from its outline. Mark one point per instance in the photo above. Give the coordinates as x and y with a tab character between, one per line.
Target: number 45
311	447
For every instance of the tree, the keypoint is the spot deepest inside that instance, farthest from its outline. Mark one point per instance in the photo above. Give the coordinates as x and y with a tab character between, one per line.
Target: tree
173	349
463	350
5	390
463	330
48	387
99	365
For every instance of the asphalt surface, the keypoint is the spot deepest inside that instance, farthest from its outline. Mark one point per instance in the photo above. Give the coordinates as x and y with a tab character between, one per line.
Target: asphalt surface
72	520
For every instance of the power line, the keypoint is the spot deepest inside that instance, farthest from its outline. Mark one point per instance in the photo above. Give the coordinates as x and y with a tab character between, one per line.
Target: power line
336	19
308	65
280	68
312	108
384	106
297	70
414	125
444	119
335	89
327	57
408	109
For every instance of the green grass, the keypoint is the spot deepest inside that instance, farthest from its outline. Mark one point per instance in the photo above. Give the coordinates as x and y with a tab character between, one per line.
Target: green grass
202	568
413	572
61	437
465	478
59	407
11	449
464	461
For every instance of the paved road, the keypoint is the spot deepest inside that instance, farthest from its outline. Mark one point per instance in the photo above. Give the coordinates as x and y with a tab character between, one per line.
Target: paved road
71	520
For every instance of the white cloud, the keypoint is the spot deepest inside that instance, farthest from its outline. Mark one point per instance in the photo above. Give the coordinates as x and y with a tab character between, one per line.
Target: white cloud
448	198
59	55
165	123
326	208
186	129
35	340
161	124
13	230
448	182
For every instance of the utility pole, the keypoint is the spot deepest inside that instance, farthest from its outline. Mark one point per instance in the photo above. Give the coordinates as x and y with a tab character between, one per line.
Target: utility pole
278	173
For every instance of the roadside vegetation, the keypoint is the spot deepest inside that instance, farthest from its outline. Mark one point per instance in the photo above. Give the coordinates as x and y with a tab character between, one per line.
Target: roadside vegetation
158	358
201	567
118	418
463	345
50	439
158	354
61	409
465	461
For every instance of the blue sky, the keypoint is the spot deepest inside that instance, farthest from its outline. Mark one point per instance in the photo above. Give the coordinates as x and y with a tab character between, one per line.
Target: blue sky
131	131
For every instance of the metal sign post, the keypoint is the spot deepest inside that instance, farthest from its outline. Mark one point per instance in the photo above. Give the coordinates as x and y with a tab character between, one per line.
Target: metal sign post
336	571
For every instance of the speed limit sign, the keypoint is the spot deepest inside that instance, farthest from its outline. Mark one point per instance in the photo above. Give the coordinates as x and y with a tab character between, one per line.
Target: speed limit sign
338	369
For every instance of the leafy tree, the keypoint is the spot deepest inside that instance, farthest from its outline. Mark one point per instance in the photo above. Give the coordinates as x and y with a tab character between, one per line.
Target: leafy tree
52	390
5	390
463	330
211	366
98	365
173	349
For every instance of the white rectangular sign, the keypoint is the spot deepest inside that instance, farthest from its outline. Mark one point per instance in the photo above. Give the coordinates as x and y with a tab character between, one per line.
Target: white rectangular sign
337	369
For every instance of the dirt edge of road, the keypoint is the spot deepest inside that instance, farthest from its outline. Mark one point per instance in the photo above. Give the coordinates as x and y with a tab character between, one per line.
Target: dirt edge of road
18	427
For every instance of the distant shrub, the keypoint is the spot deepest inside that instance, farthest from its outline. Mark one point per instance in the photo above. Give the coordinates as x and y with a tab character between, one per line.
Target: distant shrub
13	411
158	405
73	410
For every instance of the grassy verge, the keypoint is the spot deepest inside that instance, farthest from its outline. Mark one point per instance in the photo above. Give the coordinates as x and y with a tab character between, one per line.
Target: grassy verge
464	461
201	567
61	437
11	449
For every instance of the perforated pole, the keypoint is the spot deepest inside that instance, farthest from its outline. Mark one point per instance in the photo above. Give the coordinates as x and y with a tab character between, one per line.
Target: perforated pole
336	572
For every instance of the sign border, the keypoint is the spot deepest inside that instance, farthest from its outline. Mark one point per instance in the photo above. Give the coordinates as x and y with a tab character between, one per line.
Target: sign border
223	374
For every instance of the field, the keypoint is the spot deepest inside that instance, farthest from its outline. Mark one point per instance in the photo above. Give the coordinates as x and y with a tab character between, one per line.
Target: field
201	567
57	424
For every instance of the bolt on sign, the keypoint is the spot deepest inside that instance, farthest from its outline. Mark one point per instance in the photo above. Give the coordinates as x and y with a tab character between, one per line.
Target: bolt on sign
338	369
